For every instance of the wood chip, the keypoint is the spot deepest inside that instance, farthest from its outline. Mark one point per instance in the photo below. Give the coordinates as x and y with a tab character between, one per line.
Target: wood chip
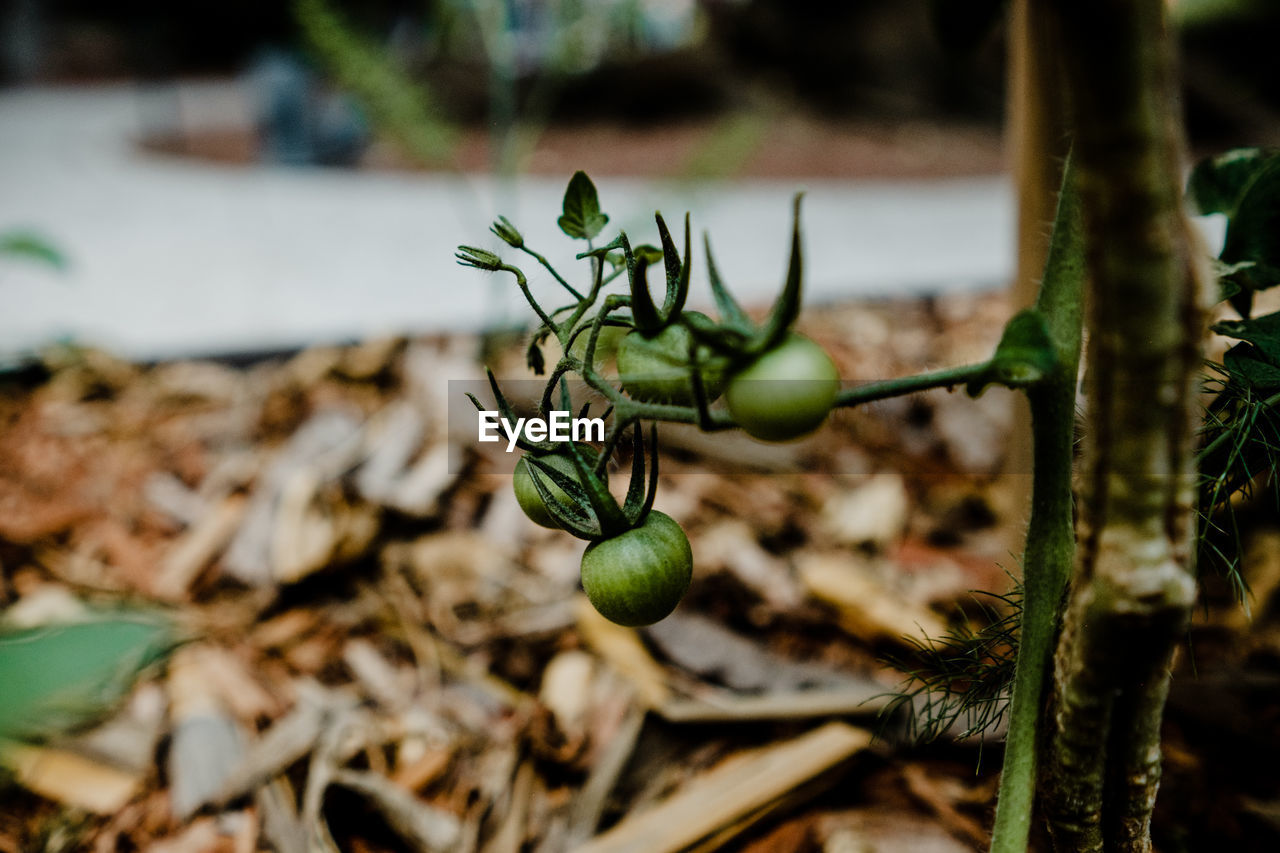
865	700
873	512
191	553
588	807
732	546
289	740
732	790
70	778
867	609
424	826
707	648
622	648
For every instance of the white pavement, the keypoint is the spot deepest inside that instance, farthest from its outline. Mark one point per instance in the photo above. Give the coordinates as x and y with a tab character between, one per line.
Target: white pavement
172	257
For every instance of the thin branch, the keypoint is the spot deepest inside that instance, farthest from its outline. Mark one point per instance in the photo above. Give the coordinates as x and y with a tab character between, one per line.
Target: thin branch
947	378
1051	529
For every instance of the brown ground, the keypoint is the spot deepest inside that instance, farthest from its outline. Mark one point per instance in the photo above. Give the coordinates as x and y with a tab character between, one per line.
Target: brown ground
424	652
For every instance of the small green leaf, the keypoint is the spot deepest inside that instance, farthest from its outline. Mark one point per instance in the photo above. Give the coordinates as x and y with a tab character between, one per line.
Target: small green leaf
1248	366
582	218
721	338
23	244
1217	183
648	253
604	506
636	487
1228	287
1264	332
572	516
1253	232
59	678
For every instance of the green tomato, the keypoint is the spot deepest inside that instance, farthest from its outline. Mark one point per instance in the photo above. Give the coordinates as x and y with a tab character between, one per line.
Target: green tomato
785	393
656	369
606	345
527	493
638	577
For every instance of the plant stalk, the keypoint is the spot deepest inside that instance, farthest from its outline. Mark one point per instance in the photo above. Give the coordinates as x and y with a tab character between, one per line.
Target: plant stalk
1050	544
1133	583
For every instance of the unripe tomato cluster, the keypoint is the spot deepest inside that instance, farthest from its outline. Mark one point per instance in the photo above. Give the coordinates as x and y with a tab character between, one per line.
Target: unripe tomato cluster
672	365
637	577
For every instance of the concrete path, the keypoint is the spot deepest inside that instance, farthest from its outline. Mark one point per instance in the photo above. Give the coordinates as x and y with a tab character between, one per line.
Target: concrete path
172	257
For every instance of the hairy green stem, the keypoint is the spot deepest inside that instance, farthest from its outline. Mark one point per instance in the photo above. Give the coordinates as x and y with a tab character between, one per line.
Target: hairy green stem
946	378
554	272
1050	544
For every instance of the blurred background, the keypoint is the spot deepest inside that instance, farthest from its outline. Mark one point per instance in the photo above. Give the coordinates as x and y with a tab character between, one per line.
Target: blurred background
238	177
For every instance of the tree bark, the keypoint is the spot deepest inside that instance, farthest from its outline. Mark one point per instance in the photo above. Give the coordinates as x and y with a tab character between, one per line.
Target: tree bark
1133	585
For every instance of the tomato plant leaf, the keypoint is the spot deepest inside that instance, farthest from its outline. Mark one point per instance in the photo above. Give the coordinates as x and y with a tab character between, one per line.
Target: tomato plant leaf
1228	287
1247	365
1217	183
653	476
609	515
582	218
1263	332
720	338
1253	231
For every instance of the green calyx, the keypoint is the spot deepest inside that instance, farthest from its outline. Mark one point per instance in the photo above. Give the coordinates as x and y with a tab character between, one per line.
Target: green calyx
736	336
579	500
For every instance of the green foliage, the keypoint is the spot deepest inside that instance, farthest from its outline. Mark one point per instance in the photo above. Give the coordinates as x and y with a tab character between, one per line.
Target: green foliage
59	678
1241	432
684	359
1217	183
582	219
1243	184
963	679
